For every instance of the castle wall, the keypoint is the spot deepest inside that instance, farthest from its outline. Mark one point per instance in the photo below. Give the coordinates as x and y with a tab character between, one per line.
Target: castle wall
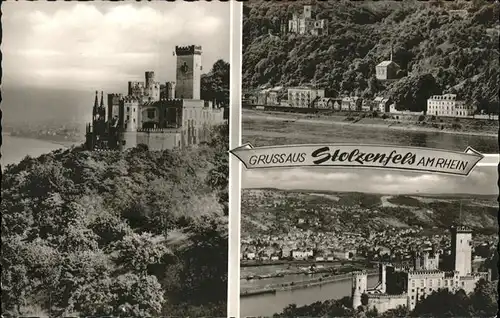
129	139
386	302
160	140
150	114
135	88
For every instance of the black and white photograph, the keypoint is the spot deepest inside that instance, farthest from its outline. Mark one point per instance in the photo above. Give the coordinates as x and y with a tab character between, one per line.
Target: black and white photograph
344	242
114	158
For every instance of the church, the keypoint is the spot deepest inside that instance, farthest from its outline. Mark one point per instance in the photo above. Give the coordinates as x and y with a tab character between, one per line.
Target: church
405	286
158	116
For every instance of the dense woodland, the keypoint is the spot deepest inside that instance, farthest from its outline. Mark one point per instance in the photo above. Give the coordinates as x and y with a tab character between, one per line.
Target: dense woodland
480	303
135	233
215	84
438	51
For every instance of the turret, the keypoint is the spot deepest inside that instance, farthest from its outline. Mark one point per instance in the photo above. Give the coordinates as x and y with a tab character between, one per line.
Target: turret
461	249
383	277
359	287
150	79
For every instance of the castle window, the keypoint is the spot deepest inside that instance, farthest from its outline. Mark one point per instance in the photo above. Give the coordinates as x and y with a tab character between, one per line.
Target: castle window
128	109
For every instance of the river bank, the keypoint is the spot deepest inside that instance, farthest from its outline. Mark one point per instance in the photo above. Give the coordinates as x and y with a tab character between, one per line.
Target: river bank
266	304
15	149
294	285
376	123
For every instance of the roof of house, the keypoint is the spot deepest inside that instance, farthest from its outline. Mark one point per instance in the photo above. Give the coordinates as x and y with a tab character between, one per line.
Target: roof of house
386	63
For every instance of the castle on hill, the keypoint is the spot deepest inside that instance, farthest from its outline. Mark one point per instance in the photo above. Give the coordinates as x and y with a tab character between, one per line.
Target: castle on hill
159	116
406	286
305	24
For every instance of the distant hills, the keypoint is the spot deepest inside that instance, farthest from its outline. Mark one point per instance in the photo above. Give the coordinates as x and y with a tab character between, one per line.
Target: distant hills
438	50
46	105
352	210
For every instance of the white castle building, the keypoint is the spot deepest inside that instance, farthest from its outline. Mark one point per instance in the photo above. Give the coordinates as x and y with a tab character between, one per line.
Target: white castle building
406	286
305	24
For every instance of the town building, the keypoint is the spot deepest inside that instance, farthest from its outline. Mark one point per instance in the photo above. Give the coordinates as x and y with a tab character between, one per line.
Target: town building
449	105
302	254
143	117
327	103
304	97
382	104
387	70
269	96
306	24
351	104
406	285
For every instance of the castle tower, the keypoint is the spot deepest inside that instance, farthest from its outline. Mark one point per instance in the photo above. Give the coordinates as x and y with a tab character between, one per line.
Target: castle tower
383	277
359	287
461	249
170	90
113	106
188	72
150	79
307	12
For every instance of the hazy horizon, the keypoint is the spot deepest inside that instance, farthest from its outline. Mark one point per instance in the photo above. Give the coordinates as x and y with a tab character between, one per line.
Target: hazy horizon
482	181
56	55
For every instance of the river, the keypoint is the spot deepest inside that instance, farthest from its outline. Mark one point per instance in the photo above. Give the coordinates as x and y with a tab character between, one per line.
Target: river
268	304
268	130
15	149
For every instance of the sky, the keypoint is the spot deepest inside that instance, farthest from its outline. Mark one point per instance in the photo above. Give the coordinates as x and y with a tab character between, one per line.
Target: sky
101	45
482	180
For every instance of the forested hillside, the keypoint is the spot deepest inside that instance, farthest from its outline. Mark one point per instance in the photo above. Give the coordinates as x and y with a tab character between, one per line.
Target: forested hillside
133	233
438	51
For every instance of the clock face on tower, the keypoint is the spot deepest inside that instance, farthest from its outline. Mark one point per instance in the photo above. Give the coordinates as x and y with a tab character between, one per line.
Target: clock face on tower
184	68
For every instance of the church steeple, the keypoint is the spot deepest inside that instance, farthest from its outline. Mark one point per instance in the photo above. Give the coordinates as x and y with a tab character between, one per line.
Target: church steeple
96	105
102	99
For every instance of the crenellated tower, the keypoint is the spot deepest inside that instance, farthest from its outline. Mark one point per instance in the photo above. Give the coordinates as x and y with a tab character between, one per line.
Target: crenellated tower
461	249
359	287
188	72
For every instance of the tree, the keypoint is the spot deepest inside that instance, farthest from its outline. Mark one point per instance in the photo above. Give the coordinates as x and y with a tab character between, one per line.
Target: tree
115	233
485	299
215	84
443	304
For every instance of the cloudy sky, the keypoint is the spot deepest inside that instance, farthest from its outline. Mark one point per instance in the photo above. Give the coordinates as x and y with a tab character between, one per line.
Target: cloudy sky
482	180
102	45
